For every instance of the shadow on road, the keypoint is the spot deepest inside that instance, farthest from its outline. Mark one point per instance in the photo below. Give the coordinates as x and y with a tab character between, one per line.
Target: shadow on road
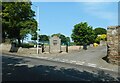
106	58
13	72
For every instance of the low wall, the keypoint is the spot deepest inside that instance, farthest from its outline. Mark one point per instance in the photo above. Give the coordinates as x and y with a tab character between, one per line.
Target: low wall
46	48
5	47
29	50
63	48
20	50
74	48
71	48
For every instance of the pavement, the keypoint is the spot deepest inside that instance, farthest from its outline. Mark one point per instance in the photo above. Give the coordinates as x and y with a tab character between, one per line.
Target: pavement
91	57
17	68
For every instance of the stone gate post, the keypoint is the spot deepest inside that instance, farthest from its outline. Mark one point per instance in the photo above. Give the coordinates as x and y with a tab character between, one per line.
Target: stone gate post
113	43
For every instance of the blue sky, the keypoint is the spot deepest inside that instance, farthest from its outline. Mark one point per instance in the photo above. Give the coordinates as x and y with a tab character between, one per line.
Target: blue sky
60	17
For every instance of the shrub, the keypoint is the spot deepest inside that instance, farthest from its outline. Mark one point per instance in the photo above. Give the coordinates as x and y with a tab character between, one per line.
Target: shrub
27	45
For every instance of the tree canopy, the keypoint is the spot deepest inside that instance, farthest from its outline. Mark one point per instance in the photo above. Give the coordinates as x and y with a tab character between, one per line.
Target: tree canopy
43	38
100	31
18	20
64	39
83	34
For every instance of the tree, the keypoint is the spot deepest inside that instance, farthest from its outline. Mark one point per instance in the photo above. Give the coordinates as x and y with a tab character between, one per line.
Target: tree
34	36
18	20
68	39
64	39
58	35
43	38
4	22
100	31
83	34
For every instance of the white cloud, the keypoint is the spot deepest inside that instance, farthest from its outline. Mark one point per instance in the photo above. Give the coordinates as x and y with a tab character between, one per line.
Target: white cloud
100	11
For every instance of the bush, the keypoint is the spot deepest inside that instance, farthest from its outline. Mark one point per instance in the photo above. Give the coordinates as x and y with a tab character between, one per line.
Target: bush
97	40
27	45
102	37
72	44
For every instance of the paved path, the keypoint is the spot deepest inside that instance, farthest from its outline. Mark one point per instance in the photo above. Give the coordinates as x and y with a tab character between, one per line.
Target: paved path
16	68
91	57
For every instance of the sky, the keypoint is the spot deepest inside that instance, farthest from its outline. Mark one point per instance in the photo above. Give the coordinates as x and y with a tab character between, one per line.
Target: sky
60	17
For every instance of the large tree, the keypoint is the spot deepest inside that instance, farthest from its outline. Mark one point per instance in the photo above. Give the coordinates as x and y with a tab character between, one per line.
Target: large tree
18	20
83	34
100	31
68	39
34	36
43	38
64	39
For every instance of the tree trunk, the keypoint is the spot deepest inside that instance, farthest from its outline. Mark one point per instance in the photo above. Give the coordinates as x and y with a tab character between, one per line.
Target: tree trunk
19	42
3	40
22	41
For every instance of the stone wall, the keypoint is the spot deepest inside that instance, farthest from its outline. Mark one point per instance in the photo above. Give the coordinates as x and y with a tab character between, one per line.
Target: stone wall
29	50
71	49
113	43
74	48
5	47
63	48
20	50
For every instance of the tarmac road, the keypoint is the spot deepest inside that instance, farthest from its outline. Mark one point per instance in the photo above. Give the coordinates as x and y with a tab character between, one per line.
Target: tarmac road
16	68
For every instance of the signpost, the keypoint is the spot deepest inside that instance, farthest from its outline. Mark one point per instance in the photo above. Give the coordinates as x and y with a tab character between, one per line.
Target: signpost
38	29
37	18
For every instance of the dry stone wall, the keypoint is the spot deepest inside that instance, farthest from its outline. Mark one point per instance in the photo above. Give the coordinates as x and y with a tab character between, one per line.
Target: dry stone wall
113	43
7	47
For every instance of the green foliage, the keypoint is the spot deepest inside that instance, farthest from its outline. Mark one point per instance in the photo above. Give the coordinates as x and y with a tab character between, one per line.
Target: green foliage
68	39
43	38
100	31
34	36
18	20
72	44
27	45
103	37
58	35
64	39
99	38
83	34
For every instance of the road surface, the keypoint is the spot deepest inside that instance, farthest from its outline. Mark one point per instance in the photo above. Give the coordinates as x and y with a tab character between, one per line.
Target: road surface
16	68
